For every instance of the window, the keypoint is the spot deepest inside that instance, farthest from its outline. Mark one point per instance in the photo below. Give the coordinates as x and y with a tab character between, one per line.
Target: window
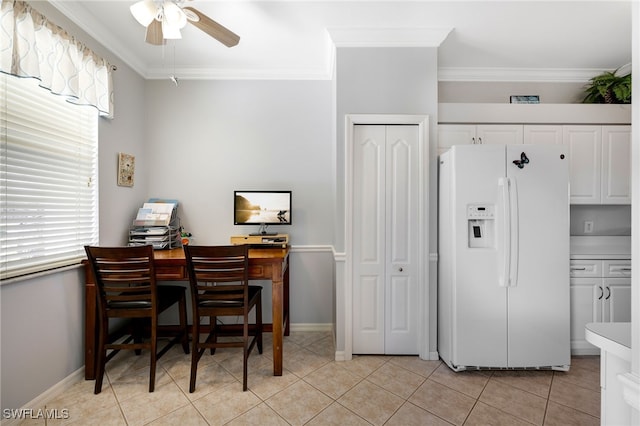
48	178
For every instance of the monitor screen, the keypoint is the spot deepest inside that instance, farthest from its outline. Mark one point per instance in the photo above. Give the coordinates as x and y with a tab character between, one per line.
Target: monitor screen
262	207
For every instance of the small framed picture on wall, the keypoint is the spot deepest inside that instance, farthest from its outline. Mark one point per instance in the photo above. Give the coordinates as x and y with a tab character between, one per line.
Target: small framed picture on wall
126	168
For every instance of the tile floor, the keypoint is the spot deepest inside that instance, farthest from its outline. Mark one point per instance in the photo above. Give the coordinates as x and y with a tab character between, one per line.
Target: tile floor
315	390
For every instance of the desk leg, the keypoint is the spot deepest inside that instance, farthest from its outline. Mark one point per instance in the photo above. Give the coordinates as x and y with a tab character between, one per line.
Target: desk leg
90	332
277	301
287	316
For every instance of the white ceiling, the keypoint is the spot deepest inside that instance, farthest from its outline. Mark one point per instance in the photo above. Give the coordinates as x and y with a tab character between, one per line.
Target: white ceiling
294	39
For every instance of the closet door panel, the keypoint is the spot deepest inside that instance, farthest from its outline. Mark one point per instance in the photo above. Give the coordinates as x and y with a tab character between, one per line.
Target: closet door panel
369	239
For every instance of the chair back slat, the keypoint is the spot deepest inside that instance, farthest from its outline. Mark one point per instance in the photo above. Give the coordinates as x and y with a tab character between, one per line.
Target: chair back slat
123	275
218	273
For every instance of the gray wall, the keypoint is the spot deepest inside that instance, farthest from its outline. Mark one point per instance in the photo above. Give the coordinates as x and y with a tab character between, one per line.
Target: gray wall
42	319
208	138
384	81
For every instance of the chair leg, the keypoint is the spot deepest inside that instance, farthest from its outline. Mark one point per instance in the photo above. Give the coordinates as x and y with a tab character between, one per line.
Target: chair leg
194	353
213	324
259	322
154	354
136	332
245	350
183	323
101	357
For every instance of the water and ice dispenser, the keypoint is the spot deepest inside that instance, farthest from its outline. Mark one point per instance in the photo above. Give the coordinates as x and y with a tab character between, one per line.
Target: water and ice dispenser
481	225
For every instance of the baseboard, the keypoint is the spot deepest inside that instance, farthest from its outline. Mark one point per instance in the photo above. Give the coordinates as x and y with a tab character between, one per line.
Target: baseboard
341	356
41	400
311	327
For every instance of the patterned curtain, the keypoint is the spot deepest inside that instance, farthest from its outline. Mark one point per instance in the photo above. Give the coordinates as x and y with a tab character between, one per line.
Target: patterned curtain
31	46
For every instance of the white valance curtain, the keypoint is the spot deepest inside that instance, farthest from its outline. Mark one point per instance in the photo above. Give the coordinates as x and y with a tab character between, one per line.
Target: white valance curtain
31	46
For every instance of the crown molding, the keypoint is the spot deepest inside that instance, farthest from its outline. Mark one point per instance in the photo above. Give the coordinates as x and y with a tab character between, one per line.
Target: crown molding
388	37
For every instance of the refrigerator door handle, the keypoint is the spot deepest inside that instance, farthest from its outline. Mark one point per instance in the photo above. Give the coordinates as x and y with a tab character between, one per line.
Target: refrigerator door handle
503	281
514	226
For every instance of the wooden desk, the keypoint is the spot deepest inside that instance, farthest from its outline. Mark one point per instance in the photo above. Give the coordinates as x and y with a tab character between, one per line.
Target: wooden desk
264	264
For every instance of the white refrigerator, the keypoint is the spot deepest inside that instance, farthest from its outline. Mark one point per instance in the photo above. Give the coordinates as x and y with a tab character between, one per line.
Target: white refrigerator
503	253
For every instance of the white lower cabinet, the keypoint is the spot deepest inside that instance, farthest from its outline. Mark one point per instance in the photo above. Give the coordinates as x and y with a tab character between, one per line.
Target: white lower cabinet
600	292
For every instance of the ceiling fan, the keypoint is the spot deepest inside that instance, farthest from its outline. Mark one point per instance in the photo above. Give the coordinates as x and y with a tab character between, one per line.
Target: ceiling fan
165	18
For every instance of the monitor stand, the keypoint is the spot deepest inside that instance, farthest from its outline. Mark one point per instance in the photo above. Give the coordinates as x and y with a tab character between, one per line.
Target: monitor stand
262	231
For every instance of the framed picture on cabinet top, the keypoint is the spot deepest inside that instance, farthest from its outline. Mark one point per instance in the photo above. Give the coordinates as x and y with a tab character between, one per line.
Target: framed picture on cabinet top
525	99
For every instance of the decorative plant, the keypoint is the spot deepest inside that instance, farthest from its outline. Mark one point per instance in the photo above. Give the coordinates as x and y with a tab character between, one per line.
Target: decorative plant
609	88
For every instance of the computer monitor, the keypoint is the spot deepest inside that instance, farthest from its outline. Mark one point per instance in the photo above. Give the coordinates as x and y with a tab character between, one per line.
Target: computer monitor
262	208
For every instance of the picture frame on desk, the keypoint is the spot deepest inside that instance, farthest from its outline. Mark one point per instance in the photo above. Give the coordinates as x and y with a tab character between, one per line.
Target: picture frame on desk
126	169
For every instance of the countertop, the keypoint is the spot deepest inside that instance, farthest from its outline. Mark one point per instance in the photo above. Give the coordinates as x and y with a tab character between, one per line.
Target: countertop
614	337
604	247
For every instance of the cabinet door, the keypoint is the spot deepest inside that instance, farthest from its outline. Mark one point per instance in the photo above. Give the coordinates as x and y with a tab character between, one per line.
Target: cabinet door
501	134
617	300
616	165
585	153
455	134
542	134
584	299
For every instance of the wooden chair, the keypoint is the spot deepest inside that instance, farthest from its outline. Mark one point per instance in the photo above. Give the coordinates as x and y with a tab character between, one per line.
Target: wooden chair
126	288
220	287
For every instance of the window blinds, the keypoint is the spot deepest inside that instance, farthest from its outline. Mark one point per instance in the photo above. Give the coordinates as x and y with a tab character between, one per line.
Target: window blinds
48	178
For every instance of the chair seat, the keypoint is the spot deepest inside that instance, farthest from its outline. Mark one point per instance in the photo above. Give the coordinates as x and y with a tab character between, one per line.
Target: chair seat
130	304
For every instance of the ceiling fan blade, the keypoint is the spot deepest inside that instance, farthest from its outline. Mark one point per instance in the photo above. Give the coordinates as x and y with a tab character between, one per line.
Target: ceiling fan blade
154	33
215	30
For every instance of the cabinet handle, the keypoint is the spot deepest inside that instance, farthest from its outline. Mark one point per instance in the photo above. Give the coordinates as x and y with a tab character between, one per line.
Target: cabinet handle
601	293
579	269
608	293
400	269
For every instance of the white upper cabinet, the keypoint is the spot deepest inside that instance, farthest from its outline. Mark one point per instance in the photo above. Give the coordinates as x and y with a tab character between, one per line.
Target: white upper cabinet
585	158
540	134
466	134
599	154
455	134
600	164
616	165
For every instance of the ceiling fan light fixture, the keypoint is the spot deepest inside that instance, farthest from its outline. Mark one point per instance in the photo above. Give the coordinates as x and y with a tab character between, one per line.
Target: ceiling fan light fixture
170	31
144	11
173	15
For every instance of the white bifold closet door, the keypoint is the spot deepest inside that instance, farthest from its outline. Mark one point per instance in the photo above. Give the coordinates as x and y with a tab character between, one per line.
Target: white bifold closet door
385	239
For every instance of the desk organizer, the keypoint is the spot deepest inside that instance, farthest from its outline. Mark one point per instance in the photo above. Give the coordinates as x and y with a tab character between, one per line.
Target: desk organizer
161	237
